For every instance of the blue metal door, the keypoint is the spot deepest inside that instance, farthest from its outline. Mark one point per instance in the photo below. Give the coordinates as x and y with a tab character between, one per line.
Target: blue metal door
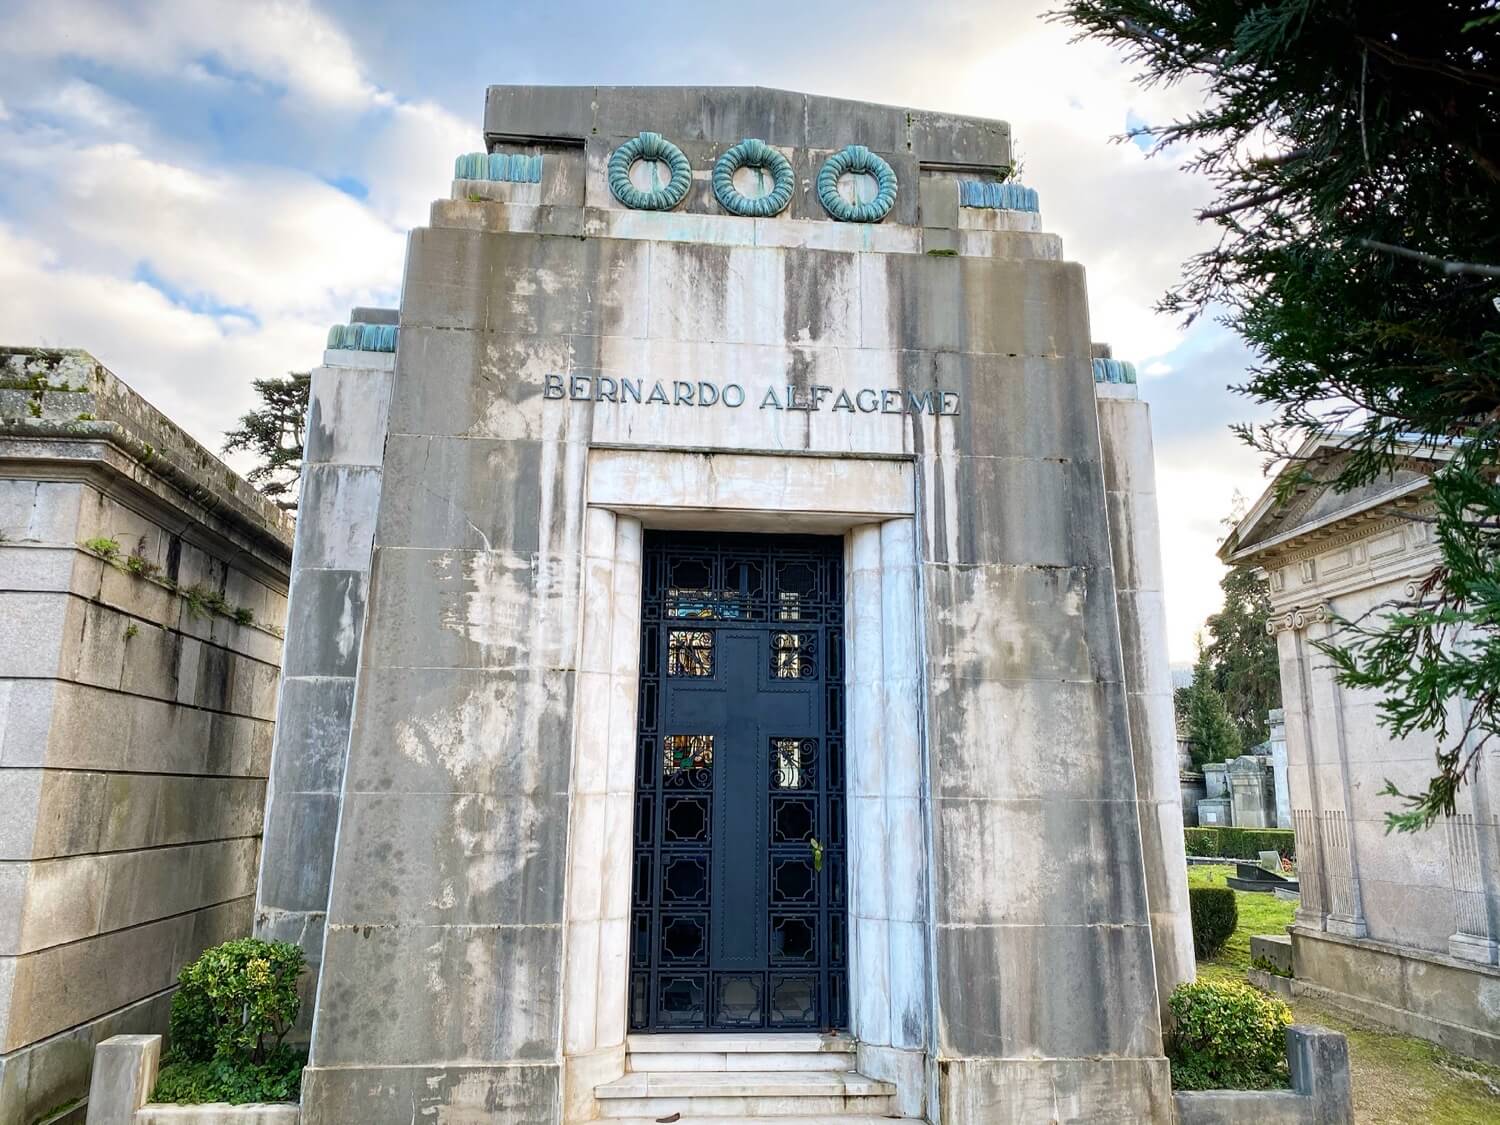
739	908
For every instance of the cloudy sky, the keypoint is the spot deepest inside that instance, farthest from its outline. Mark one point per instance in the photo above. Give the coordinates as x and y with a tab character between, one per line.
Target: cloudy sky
193	190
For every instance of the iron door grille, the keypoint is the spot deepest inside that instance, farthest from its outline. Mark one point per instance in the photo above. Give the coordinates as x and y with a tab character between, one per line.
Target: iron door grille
739	915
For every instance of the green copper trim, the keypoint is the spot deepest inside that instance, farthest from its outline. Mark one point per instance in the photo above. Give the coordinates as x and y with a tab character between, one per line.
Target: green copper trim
649	146
1001	197
505	167
856	158
1113	371
752	153
362	337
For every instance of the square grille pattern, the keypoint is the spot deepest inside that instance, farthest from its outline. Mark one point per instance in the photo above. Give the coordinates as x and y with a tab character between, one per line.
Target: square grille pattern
738	899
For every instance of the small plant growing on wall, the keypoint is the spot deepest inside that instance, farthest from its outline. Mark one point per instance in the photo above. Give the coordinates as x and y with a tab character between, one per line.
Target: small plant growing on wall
104	548
141	566
230	1016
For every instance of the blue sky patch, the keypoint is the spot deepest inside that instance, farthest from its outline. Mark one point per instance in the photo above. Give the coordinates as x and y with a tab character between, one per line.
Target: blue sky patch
200	304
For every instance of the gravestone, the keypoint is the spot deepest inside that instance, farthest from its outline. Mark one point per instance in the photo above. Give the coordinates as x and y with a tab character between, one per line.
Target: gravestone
1277	720
1251	793
1216	779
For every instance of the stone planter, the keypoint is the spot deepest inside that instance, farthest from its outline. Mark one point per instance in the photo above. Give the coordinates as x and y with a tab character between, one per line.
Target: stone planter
1320	1093
125	1068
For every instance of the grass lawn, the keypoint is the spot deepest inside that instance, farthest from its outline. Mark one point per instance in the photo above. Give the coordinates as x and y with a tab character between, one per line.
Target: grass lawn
1398	1079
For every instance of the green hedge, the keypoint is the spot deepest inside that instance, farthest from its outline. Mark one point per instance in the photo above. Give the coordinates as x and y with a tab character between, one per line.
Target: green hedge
1215	914
1226	1035
1240	843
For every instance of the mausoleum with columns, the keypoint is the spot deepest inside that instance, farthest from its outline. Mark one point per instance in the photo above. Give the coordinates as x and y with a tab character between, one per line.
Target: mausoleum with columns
725	667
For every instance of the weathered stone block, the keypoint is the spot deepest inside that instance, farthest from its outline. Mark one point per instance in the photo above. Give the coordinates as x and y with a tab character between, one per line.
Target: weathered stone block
323	637
338	507
1046	991
1003	862
978	730
458	279
313	719
346	416
461	859
986	626
982	1091
467	1094
417	995
434	730
473	609
467	492
125	1068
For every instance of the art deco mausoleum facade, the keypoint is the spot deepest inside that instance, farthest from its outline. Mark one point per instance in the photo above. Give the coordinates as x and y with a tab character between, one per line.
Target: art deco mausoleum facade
728	633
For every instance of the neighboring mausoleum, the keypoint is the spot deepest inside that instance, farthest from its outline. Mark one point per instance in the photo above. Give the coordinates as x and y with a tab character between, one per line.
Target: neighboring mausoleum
142	589
725	670
1399	927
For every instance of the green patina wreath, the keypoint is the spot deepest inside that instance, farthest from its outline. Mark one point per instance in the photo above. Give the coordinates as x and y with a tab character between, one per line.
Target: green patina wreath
856	158
752	153
649	146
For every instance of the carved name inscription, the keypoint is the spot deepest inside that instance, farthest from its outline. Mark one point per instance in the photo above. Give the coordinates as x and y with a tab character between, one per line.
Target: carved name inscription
775	396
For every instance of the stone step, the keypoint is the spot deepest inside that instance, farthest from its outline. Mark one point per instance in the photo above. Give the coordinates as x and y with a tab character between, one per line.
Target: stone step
729	1060
689	1043
743	1094
835	1118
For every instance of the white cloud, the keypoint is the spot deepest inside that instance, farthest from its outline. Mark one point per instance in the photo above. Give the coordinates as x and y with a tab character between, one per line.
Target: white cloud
413	162
286	42
181	273
195	368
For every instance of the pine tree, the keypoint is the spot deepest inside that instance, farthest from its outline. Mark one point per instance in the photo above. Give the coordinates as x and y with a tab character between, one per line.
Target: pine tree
275	433
1246	671
1209	729
1355	149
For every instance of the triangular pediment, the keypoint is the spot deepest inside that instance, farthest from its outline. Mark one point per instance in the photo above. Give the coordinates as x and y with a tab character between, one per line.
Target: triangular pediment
1314	505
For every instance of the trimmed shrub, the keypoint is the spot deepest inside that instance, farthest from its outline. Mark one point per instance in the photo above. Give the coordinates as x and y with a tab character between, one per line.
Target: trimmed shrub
1240	843
1215	915
1227	1036
232	1009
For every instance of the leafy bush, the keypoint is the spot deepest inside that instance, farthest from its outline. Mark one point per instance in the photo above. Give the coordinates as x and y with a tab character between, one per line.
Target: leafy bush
1240	843
278	1079
1227	1036
1215	915
232	1009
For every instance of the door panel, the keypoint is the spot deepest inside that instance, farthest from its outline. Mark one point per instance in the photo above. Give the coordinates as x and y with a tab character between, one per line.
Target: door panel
738	901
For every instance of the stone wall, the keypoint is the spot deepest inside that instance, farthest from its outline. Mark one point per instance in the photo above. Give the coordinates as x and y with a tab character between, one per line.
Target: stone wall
1135	538
347	404
135	713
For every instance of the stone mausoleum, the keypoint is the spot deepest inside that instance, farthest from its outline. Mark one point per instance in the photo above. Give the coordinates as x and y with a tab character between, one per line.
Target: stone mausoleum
724	670
1401	928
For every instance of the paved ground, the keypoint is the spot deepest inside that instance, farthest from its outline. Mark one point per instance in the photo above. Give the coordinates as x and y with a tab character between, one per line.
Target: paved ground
1398	1079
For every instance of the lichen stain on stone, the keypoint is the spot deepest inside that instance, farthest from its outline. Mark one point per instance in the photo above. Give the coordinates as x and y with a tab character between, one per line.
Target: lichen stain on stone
485	597
497	840
347	636
464	738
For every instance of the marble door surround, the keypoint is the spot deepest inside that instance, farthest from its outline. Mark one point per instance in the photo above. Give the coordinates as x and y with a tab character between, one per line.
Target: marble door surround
871	502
